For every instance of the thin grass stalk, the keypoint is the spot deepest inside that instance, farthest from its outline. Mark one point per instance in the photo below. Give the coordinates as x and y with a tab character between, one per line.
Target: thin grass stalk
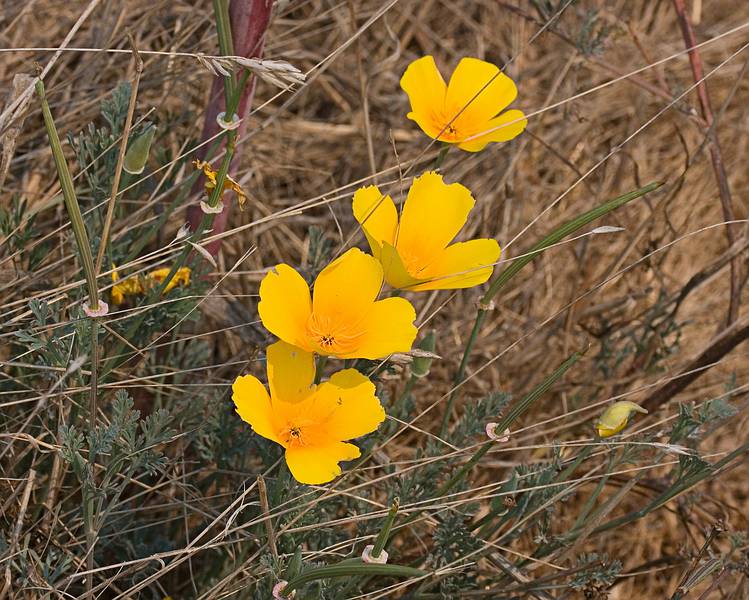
120	158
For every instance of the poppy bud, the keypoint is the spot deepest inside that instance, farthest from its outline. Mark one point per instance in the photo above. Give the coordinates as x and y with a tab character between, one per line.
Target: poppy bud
421	364
137	154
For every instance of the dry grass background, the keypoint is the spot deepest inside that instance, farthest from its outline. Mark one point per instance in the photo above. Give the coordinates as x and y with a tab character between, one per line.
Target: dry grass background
314	150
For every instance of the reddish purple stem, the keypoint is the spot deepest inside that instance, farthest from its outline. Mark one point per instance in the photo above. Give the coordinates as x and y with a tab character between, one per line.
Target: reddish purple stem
249	23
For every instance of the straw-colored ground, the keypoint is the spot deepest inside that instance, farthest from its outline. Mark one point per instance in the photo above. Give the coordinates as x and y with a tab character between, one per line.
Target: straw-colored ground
612	106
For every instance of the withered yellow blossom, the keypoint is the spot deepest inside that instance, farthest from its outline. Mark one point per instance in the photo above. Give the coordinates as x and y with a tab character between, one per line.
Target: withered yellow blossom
210	182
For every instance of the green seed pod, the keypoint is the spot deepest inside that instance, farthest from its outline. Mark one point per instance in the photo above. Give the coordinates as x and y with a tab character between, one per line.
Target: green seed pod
137	154
421	364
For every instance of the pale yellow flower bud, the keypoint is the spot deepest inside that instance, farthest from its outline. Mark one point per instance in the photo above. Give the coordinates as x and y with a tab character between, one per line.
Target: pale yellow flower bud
615	417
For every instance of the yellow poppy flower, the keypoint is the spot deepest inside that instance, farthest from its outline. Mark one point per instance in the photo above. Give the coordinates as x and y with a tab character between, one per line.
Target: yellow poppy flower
466	110
343	317
310	421
615	417
416	253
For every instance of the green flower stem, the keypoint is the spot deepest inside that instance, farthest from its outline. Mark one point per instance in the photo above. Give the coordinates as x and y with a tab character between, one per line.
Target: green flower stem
382	538
320	363
441	156
225	42
512	415
507	274
352	568
71	201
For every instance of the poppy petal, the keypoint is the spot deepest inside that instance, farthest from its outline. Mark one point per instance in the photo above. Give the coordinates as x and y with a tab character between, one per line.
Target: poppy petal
377	215
426	91
389	329
347	406
347	287
318	464
254	406
477	90
395	271
461	265
285	305
291	372
432	216
506	126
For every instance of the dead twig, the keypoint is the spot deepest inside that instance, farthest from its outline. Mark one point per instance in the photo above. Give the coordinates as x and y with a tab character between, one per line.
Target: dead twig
731	337
716	156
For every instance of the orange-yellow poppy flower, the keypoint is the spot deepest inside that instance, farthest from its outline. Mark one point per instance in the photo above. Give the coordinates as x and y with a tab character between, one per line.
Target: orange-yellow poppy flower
310	421
615	418
466	110
342	318
416	253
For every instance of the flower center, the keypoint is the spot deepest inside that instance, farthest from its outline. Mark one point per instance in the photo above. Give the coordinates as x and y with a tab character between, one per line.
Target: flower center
292	436
331	337
413	263
447	123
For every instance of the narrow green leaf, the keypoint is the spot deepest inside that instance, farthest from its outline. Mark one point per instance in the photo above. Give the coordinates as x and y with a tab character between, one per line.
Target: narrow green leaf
71	201
562	232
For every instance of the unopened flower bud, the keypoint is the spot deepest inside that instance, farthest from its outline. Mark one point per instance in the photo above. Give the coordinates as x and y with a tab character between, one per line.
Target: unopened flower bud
615	417
136	156
421	364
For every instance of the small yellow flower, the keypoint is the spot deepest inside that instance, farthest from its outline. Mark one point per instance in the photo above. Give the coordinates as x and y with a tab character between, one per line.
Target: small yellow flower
124	287
343	317
466	110
615	417
310	421
182	276
416	253
135	286
210	182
